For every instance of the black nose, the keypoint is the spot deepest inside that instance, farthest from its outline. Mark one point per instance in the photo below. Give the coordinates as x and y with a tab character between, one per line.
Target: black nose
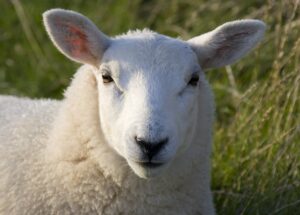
150	149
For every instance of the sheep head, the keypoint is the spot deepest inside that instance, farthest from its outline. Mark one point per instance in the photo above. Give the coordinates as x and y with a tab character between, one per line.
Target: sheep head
149	85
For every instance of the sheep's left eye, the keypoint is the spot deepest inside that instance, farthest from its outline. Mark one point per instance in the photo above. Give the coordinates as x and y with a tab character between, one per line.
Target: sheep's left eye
194	80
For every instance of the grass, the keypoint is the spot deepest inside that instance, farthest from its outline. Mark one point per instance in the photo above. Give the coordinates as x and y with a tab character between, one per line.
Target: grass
256	160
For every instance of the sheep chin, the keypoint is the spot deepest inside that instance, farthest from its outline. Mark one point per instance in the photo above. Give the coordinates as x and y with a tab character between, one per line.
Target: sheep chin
146	171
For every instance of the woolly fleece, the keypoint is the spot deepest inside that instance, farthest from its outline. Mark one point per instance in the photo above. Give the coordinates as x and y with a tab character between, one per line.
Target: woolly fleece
54	161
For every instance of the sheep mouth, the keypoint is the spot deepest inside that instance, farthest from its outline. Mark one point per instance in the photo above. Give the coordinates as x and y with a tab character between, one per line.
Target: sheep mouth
150	164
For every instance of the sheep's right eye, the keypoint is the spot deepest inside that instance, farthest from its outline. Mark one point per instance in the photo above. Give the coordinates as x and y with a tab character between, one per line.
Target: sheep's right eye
107	78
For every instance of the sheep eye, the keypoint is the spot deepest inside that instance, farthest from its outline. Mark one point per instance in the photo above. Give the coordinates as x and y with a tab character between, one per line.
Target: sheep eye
107	78
194	80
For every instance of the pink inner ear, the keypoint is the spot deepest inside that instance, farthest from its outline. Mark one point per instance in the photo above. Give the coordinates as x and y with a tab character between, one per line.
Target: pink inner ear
75	38
78	41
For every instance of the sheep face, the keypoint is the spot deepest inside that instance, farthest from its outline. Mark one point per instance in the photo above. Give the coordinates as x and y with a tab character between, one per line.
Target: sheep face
148	87
149	84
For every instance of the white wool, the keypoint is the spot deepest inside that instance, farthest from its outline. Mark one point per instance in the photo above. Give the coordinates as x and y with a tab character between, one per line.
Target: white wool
79	155
67	175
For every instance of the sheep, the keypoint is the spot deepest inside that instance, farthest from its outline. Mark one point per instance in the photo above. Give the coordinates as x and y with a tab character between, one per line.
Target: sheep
132	135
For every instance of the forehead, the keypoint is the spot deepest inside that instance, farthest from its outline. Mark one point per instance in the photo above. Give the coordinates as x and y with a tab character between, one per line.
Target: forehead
151	52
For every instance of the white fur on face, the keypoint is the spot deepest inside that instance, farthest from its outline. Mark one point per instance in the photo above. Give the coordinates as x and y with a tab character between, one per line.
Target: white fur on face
149	98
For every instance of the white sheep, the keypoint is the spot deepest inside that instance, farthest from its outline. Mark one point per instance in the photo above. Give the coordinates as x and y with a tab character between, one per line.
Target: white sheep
133	134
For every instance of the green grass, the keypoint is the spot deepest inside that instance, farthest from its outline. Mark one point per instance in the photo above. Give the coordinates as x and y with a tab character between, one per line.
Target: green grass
256	159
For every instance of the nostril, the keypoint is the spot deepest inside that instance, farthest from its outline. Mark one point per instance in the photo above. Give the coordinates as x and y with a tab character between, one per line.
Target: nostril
144	145
138	140
150	148
164	141
160	144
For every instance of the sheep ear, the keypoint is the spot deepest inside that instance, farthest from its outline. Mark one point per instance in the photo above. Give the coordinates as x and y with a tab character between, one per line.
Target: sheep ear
227	43
75	36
